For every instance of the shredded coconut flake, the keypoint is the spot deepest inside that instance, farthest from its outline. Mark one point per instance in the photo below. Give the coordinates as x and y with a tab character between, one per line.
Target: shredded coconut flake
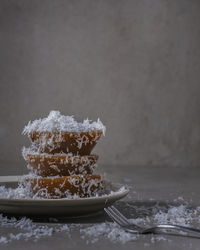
181	215
57	122
23	191
26	229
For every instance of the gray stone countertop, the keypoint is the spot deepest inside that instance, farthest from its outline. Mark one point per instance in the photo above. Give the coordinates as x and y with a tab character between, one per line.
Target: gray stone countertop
149	186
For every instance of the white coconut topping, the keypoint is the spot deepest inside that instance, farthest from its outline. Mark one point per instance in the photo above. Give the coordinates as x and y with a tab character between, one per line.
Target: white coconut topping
24	191
32	150
57	122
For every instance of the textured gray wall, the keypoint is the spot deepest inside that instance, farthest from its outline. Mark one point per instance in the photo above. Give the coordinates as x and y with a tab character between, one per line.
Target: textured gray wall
135	64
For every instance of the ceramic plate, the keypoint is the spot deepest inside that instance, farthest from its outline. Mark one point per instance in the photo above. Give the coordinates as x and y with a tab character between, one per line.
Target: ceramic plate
57	207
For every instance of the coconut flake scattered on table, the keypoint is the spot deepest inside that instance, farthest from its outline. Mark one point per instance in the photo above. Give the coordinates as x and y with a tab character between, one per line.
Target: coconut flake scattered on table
57	122
181	215
28	230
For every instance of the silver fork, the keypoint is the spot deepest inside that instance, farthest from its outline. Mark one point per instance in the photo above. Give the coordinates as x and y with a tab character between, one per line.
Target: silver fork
121	220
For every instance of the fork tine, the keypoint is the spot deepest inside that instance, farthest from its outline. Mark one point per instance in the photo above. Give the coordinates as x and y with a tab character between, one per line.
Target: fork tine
114	217
117	217
125	222
122	217
120	214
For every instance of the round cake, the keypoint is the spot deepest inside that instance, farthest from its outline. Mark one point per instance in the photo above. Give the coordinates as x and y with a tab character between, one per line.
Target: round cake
77	143
62	134
59	164
60	187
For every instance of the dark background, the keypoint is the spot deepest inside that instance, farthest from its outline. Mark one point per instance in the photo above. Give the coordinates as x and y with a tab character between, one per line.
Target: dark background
134	64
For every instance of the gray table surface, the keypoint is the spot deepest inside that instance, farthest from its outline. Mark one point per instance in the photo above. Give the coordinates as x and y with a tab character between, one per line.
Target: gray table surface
148	185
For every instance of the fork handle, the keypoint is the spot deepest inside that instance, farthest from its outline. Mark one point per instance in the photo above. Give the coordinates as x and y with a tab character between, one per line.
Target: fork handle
168	227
